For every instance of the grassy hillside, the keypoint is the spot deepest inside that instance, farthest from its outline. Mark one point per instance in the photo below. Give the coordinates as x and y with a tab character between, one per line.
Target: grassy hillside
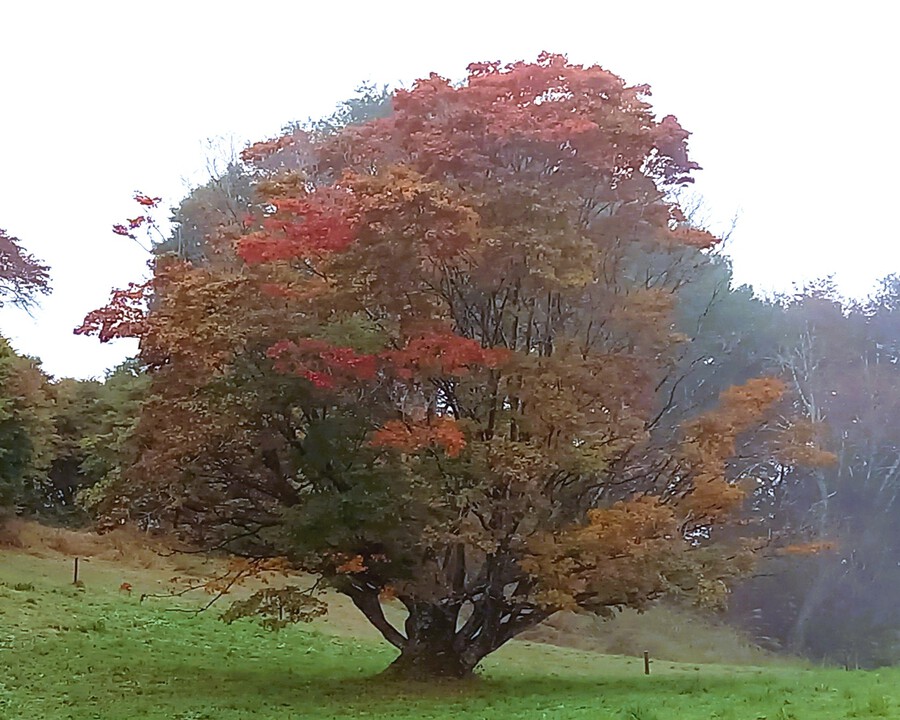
97	652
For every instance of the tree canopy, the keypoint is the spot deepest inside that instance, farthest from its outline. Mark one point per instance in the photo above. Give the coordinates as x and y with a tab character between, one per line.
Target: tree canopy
437	360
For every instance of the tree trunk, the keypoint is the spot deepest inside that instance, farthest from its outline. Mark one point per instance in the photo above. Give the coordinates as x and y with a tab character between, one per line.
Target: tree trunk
817	592
440	639
433	649
423	662
812	601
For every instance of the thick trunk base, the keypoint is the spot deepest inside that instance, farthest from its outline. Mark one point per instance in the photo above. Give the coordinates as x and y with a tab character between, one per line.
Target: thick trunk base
429	665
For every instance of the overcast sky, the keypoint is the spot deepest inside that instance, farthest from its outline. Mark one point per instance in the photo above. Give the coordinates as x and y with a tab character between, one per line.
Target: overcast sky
792	106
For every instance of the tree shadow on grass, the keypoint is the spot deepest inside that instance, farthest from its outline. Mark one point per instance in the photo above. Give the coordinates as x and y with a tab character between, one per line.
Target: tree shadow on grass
353	690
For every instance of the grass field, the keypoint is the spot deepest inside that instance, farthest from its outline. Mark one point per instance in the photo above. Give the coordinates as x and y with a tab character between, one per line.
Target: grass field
96	652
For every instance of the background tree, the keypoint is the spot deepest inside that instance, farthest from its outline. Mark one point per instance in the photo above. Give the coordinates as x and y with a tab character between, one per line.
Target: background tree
59	438
438	366
841	358
207	221
93	421
26	432
22	277
26	429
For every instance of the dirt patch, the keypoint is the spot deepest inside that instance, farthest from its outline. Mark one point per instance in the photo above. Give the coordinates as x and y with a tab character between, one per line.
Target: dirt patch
10	536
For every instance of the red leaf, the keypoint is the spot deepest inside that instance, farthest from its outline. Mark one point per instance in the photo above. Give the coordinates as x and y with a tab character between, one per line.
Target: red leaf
441	431
146	200
325	366
443	354
311	226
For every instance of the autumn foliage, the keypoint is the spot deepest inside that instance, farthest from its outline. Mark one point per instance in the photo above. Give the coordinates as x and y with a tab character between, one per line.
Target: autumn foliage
22	276
436	365
124	316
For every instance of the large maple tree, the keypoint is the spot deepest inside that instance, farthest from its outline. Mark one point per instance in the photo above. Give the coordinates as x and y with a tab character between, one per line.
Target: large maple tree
430	364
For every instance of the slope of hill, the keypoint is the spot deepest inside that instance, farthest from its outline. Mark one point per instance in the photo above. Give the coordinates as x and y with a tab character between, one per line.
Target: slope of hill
98	652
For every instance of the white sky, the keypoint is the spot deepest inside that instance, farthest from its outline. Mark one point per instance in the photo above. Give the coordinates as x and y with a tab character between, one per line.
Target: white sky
792	106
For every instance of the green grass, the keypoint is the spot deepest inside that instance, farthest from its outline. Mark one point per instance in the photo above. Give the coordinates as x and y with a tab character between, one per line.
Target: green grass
96	653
